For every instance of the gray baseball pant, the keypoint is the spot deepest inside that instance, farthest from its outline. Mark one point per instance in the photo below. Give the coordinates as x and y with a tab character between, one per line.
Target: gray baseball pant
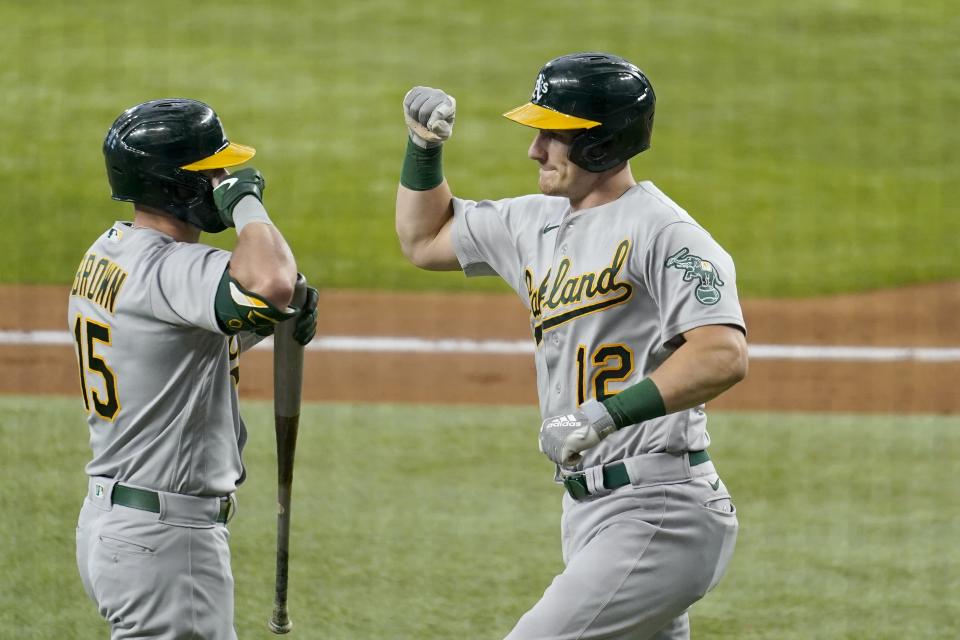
163	576
638	557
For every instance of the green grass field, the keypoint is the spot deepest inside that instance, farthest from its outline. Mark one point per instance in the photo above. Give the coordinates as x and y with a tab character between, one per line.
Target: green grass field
815	140
430	523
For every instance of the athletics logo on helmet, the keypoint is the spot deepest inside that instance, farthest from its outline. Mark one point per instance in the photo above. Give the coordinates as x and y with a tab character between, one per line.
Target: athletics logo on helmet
540	88
156	150
610	99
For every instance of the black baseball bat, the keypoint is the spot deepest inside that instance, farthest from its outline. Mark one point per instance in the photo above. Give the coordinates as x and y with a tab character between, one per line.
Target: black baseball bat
287	386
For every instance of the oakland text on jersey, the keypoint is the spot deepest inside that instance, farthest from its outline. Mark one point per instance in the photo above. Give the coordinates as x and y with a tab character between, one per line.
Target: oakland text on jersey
99	280
583	288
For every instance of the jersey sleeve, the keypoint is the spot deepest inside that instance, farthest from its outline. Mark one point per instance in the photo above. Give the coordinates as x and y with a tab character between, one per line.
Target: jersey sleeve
185	285
483	239
692	280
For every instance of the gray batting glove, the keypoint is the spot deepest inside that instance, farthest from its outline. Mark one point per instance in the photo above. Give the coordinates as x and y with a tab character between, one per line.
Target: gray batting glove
429	114
563	438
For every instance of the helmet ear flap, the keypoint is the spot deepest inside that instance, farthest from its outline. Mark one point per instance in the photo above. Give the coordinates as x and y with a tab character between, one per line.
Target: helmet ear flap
595	152
592	152
194	193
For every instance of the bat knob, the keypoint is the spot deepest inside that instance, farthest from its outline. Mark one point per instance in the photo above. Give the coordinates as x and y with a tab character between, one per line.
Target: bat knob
280	626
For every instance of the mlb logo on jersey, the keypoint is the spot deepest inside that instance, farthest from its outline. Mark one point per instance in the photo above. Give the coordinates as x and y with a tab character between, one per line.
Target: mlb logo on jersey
114	234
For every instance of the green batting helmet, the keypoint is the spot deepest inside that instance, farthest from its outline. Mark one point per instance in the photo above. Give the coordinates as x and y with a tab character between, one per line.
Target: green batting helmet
156	150
610	99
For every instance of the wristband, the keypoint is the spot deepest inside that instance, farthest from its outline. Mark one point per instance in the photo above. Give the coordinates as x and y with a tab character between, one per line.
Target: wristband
249	209
422	168
635	404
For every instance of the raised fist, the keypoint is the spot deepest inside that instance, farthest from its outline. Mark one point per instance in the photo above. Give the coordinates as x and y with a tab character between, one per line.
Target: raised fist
429	114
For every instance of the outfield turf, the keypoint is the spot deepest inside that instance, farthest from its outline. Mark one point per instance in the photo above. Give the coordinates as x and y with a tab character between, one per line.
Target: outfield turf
438	523
814	139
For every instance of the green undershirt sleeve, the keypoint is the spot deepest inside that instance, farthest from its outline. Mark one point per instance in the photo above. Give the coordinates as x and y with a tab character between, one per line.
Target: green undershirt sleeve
635	404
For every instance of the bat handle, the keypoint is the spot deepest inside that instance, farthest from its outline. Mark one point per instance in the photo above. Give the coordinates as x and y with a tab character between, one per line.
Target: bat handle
299	291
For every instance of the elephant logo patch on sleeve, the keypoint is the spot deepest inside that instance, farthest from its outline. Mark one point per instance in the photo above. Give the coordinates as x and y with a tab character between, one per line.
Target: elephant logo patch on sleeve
707	291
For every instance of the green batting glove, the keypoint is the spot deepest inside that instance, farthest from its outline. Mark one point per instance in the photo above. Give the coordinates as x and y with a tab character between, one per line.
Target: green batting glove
245	182
306	322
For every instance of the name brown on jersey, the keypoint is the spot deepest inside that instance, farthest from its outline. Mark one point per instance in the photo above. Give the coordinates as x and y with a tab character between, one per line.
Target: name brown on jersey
99	280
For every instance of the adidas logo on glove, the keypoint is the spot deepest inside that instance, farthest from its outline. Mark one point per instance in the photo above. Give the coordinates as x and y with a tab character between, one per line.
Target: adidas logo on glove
568	420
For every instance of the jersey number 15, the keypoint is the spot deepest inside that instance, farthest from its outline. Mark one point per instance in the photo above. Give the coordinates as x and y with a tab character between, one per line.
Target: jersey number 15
90	362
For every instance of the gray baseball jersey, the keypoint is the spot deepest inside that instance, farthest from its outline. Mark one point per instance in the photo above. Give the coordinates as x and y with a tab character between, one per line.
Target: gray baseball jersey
610	290
158	375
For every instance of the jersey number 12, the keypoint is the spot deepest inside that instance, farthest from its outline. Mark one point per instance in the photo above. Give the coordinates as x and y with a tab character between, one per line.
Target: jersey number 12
610	363
90	362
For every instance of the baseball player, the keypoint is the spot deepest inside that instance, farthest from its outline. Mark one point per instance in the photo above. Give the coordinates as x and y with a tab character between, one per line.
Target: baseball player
634	312
160	321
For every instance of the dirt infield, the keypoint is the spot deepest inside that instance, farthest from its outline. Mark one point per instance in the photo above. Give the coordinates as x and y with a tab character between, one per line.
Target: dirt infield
919	316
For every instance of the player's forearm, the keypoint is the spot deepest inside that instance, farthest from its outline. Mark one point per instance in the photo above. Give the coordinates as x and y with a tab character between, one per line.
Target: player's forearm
424	206
424	200
424	209
263	263
713	359
701	369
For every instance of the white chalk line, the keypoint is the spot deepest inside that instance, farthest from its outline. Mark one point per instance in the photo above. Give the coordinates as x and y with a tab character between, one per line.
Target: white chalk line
399	344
